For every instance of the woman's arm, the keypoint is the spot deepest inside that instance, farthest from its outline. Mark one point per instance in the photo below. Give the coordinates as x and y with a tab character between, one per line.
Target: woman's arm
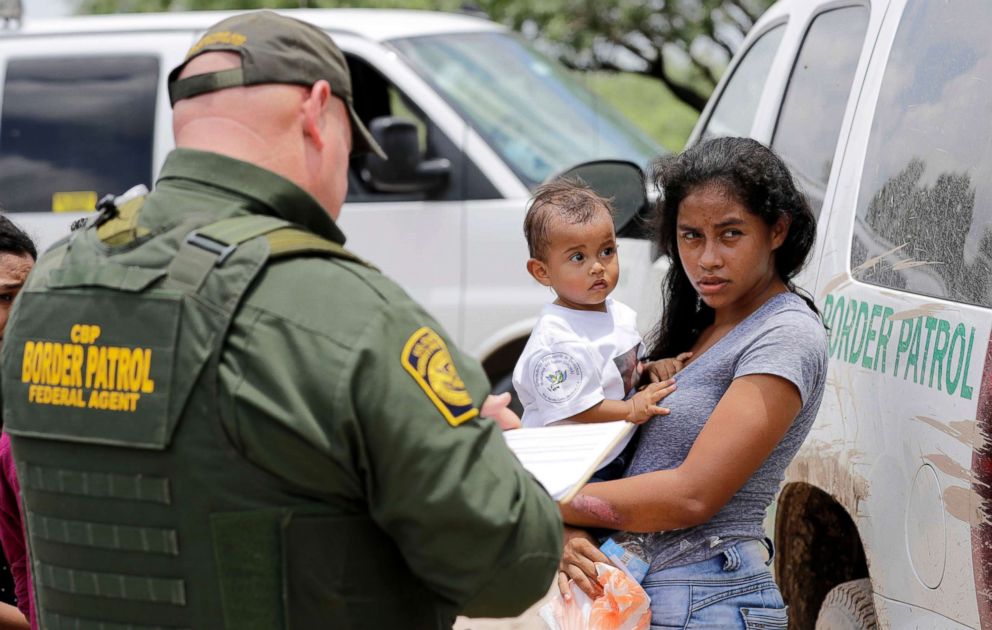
746	425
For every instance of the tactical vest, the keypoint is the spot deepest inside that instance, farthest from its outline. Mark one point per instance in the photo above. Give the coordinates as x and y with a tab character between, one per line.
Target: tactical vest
140	512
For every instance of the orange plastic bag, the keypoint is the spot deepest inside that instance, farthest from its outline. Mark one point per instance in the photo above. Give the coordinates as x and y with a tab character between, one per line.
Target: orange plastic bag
623	605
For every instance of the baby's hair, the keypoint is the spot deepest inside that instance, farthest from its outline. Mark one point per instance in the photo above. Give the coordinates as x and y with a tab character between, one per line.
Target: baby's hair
569	199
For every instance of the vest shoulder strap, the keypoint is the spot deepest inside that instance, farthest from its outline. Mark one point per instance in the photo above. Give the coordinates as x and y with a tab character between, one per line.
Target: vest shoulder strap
292	241
211	245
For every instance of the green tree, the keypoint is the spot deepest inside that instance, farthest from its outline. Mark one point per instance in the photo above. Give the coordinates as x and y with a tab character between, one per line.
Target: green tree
685	44
145	6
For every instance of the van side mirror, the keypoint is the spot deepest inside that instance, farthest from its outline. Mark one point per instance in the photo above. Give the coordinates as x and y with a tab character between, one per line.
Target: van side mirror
405	170
623	183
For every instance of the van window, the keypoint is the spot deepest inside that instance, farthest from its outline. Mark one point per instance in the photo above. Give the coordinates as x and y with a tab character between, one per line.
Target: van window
734	112
376	96
527	108
816	97
925	200
73	129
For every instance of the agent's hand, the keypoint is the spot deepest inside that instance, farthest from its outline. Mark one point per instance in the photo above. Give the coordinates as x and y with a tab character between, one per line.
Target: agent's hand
578	564
664	369
644	404
497	408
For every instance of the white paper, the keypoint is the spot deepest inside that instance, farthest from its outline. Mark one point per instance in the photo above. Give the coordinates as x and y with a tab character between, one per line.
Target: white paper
563	457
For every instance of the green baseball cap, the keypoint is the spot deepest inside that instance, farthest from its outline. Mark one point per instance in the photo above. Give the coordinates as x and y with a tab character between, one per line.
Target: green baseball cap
274	49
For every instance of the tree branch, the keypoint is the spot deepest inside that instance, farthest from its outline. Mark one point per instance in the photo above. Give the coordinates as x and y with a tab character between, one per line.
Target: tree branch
743	8
734	18
711	32
704	69
634	49
684	93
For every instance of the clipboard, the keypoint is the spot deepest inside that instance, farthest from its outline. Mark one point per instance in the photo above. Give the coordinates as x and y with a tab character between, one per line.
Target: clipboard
563	457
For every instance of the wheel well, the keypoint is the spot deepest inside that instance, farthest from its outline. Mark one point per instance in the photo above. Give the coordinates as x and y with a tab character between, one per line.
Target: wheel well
500	363
818	547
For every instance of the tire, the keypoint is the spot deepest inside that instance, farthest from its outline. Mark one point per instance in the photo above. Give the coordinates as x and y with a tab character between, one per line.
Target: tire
505	384
848	606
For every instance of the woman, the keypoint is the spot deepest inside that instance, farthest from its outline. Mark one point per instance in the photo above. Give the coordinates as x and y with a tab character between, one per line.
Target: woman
737	231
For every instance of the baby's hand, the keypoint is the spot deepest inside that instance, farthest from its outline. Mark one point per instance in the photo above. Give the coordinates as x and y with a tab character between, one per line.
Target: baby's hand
644	404
664	369
497	408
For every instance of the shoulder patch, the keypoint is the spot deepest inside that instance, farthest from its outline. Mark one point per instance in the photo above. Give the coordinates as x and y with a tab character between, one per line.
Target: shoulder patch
426	358
557	377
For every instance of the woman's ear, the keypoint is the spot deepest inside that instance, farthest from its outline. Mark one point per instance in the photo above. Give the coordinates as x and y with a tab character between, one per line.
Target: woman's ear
780	230
539	271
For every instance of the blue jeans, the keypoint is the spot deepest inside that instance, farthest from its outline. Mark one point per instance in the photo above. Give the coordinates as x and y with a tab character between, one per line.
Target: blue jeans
732	590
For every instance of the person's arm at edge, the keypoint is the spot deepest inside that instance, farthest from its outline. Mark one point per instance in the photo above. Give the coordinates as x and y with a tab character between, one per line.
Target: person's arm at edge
745	427
12	540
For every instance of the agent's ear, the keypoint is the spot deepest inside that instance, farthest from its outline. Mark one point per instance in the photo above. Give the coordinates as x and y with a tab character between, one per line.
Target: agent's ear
539	271
314	111
780	230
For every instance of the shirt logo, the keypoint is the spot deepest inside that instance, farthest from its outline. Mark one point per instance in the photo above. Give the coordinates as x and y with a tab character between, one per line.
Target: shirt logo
426	358
557	377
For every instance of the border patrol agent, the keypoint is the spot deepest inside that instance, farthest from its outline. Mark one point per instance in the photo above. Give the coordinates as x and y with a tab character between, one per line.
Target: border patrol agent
223	419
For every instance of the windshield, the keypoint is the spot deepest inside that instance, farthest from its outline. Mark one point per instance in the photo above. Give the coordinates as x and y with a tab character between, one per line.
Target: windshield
537	117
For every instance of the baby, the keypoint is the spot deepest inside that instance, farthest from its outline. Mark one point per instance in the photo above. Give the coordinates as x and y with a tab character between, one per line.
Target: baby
582	361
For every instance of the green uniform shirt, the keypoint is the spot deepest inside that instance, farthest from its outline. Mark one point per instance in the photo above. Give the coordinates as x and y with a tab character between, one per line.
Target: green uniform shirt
341	385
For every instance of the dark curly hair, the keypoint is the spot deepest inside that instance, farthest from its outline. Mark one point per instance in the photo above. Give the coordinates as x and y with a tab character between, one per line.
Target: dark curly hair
13	240
755	176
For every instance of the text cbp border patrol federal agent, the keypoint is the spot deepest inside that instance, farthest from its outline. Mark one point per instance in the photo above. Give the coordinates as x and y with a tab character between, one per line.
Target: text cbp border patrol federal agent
221	419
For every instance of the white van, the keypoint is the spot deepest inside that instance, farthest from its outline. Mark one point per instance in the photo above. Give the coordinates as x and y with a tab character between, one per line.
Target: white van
84	112
883	109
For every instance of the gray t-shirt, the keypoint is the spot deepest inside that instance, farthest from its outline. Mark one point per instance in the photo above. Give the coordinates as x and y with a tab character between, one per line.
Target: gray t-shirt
784	338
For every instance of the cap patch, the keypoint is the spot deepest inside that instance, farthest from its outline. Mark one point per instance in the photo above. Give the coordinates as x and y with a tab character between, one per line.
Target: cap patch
426	358
220	37
557	377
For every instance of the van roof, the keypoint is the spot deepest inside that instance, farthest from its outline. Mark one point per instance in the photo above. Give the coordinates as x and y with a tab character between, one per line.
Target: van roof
374	24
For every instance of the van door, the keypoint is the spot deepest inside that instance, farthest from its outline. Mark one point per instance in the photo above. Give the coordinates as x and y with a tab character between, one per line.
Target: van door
83	115
905	286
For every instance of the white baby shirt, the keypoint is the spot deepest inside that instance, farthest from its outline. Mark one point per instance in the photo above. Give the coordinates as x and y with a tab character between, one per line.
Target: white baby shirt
574	359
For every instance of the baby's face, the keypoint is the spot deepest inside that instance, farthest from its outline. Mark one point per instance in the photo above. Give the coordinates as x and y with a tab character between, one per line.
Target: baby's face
582	262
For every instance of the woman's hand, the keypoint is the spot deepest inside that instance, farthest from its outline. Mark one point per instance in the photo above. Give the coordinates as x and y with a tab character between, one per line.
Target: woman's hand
578	564
664	369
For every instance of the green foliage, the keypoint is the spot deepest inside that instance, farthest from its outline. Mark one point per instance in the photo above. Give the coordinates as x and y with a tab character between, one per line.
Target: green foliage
645	101
144	6
672	50
685	44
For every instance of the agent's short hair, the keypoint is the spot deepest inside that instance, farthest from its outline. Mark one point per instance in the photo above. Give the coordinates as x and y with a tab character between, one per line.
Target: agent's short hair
571	200
13	240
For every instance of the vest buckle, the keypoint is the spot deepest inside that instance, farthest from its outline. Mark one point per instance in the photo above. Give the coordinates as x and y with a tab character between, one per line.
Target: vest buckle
219	249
